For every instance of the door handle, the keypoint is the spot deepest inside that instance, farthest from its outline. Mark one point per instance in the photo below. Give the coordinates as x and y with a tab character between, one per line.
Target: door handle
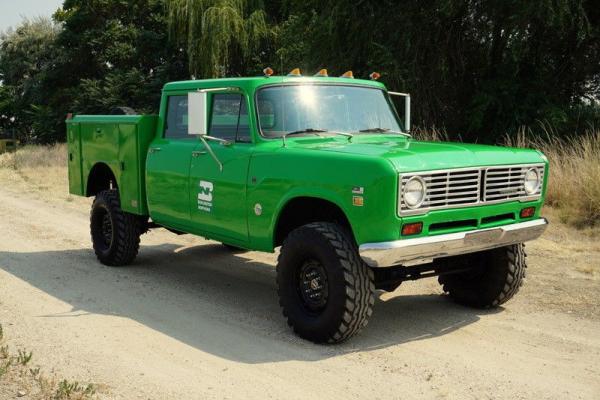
155	149
198	153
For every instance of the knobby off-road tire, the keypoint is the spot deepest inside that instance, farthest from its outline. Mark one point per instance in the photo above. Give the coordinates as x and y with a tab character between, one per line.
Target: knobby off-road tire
325	289
496	277
115	233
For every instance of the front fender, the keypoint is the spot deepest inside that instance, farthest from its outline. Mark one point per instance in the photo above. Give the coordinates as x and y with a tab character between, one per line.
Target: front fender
276	179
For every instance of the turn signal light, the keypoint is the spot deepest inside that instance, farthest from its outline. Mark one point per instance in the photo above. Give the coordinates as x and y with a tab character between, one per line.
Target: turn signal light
412	229
322	72
347	74
268	71
527	212
295	72
374	76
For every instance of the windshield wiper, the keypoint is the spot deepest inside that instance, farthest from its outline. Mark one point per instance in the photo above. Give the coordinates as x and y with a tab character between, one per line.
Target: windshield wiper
315	131
382	130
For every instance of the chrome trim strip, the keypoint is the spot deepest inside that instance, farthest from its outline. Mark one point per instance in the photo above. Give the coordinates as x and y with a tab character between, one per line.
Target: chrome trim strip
426	249
481	188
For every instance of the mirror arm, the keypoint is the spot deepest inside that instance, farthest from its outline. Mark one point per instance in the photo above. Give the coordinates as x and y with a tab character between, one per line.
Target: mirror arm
210	151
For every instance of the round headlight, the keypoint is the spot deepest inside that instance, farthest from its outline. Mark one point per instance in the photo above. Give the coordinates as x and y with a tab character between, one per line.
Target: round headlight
532	181
414	192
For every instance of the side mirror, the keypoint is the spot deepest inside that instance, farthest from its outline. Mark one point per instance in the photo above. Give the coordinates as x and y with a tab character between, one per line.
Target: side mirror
197	113
406	108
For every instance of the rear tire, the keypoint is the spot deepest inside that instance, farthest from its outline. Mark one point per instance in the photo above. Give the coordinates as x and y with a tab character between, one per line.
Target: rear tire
325	289
115	233
495	278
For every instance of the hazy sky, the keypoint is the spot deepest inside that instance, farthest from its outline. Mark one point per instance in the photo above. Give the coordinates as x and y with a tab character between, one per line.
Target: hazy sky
12	11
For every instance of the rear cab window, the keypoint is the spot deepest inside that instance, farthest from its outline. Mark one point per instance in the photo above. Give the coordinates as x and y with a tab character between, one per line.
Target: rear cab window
176	124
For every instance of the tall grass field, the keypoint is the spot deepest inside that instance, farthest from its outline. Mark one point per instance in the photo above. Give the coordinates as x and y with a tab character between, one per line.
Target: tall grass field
573	187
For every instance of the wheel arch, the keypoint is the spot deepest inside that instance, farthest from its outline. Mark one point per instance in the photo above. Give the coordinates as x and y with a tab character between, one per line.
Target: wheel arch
303	209
101	177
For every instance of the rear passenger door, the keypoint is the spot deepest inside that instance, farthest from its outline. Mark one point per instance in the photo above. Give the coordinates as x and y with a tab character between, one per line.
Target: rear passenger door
168	166
218	198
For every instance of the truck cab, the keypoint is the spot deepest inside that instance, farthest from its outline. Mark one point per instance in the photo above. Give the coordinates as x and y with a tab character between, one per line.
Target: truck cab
324	170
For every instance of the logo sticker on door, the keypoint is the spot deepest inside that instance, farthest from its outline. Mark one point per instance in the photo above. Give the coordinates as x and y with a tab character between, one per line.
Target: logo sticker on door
205	196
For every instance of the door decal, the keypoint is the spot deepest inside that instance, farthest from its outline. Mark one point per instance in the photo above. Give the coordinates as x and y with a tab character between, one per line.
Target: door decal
205	196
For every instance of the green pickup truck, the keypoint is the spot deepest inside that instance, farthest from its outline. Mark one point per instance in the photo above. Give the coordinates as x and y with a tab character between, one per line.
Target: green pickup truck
324	169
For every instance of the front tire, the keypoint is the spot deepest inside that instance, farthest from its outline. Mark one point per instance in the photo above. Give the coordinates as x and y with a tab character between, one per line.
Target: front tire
495	278
115	233
325	289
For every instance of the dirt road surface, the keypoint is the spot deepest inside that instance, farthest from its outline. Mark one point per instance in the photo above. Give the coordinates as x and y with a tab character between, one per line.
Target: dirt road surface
191	320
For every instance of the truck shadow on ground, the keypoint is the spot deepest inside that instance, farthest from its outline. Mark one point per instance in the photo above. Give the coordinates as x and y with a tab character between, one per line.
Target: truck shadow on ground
217	301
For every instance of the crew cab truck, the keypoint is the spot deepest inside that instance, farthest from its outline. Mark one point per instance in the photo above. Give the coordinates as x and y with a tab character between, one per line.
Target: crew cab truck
324	169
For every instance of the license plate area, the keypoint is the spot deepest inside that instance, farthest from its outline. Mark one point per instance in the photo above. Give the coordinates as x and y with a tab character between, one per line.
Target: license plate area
483	237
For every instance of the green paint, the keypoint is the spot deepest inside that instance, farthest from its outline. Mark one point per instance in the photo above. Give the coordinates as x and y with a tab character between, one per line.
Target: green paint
166	184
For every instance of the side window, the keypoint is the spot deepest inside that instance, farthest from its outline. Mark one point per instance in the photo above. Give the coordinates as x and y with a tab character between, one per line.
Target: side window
229	119
177	118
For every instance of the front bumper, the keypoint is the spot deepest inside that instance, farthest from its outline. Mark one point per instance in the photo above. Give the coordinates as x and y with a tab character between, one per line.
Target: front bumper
426	249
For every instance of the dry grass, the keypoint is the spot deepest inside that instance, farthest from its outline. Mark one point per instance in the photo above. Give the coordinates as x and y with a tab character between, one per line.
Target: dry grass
18	378
35	157
574	183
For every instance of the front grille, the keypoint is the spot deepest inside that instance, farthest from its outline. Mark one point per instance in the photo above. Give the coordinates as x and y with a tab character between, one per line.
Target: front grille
505	183
469	186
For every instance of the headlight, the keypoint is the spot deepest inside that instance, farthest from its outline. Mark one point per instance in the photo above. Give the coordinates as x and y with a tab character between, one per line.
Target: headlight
532	181
414	192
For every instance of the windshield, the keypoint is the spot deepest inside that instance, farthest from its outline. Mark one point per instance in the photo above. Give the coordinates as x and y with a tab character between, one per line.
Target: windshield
329	108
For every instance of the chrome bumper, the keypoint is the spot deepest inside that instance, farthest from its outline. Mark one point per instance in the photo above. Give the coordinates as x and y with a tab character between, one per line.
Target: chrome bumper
425	249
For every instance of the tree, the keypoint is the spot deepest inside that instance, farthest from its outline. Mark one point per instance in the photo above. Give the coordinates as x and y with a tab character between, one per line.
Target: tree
478	68
27	59
220	36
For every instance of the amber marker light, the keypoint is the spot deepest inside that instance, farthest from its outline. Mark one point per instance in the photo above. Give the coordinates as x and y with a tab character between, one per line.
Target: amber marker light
412	229
374	76
527	212
295	72
347	74
268	71
322	72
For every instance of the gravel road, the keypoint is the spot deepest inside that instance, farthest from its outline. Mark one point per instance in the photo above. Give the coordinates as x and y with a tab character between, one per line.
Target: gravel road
191	320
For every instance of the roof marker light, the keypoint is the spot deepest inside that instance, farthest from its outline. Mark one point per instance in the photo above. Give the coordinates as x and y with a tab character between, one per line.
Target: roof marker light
268	71
374	76
322	72
295	72
348	74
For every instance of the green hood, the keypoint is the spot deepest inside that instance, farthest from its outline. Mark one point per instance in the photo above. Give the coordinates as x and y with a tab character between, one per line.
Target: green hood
411	155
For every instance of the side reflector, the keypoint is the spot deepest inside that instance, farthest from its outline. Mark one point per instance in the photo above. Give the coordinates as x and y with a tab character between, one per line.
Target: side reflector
527	212
295	72
412	229
322	72
358	201
268	71
374	76
347	74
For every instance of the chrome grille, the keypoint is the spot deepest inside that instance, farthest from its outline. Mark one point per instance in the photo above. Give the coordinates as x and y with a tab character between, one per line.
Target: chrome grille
505	183
469	186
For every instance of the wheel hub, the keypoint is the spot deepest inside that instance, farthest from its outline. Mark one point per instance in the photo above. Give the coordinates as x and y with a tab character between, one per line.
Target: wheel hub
312	286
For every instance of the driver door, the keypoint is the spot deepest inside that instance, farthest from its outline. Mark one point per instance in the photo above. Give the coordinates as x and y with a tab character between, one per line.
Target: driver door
218	198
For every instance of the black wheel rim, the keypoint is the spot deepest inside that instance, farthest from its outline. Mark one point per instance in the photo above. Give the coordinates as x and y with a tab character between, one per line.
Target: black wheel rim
102	229
312	285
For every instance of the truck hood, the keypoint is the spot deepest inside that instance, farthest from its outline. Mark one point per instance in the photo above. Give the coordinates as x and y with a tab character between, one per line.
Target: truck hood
408	155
